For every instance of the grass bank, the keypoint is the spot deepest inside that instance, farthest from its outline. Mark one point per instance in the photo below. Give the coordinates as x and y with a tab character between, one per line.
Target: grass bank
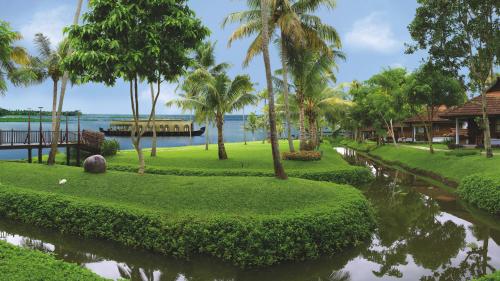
477	177
34	119
249	221
22	264
253	159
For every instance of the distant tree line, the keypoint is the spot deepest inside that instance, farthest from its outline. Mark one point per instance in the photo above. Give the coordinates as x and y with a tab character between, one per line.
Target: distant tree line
24	112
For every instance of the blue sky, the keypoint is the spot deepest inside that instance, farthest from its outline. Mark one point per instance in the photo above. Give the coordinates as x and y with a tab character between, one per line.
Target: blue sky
373	35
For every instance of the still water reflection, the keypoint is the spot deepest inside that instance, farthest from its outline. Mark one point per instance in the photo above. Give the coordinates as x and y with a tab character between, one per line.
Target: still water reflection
424	234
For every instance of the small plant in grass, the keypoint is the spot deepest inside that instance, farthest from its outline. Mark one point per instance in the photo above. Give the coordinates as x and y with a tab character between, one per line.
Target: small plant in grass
110	147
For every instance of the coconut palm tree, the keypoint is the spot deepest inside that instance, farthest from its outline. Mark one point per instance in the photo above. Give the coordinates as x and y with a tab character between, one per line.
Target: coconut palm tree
64	81
51	64
309	70
13	60
218	95
297	27
252	124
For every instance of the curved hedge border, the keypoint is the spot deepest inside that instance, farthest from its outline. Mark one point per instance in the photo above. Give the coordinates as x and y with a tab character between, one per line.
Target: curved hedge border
482	191
247	241
352	175
495	276
22	264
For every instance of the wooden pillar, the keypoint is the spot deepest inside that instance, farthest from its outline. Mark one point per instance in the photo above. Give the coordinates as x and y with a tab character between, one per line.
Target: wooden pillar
30	151
457	135
414	132
40	138
67	142
78	142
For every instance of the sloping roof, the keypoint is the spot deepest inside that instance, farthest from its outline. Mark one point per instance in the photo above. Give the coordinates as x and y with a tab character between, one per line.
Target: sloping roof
473	106
438	110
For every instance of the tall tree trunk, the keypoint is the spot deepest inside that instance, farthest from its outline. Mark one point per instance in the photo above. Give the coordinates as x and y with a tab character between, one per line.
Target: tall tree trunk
284	65
220	137
206	133
486	122
279	172
154	140
53	146
54	105
140	154
302	129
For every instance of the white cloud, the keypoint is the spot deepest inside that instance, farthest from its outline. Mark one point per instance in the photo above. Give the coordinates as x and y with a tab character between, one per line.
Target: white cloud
373	33
49	22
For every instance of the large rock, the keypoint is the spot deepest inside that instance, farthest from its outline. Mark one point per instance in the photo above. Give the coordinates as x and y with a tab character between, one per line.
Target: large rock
95	164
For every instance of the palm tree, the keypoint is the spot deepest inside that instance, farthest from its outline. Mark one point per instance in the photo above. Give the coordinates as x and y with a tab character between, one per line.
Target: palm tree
51	63
252	124
309	70
11	57
218	95
296	26
64	82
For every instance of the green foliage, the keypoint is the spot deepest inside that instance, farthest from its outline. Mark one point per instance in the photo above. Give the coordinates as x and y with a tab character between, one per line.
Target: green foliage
248	221
110	147
482	190
459	34
302	155
21	264
461	152
495	276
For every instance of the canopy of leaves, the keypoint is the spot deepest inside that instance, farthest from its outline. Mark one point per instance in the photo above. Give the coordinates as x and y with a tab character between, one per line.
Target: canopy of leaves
126	39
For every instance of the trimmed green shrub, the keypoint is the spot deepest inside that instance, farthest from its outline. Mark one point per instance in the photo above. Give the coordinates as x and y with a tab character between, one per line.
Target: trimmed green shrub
110	147
302	155
482	191
461	152
349	175
21	264
495	276
245	240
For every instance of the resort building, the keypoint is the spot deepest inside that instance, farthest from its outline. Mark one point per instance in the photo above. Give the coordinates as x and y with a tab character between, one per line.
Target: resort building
471	113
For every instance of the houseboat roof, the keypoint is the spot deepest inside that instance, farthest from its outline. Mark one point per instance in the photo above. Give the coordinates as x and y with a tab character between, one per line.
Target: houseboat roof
157	121
473	107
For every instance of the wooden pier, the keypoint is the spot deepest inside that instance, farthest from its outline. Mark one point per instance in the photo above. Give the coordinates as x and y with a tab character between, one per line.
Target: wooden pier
40	139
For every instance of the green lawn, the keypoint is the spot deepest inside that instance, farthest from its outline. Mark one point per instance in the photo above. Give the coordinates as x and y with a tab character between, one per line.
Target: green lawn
178	195
253	159
17	264
249	221
452	167
253	156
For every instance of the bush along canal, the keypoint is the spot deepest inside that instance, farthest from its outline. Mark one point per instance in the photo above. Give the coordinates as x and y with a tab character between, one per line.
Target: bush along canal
424	233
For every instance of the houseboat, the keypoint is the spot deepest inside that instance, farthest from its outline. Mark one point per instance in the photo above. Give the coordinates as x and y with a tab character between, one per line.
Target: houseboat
163	127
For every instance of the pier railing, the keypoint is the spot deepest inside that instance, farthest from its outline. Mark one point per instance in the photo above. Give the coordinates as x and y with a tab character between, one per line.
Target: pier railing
44	138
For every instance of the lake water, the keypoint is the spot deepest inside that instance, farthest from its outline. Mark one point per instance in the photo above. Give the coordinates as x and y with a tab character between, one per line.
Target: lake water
233	131
424	233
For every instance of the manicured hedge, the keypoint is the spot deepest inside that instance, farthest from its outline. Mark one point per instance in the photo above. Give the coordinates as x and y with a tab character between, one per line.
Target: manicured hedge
461	152
18	264
495	276
245	240
350	175
302	155
482	191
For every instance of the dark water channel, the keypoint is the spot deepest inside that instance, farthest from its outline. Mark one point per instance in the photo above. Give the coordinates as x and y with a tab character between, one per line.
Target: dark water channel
424	233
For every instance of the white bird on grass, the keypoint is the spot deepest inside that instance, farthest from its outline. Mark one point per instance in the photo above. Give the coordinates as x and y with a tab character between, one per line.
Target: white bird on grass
63	181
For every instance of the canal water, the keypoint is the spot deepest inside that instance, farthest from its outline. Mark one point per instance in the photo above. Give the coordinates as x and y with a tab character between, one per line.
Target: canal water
424	233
